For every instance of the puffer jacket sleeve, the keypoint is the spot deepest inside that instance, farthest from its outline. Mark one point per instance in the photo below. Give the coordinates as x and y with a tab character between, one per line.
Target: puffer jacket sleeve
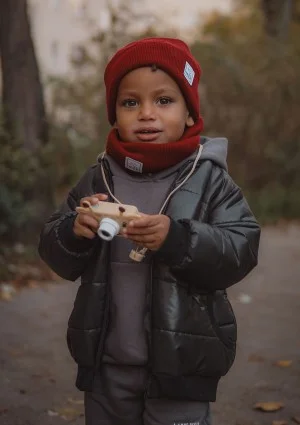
223	250
59	247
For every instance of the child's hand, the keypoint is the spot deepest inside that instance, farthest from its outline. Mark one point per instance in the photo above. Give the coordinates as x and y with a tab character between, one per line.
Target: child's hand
149	231
85	225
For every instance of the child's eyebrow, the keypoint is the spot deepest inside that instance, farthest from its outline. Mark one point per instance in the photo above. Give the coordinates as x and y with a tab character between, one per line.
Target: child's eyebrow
128	93
162	90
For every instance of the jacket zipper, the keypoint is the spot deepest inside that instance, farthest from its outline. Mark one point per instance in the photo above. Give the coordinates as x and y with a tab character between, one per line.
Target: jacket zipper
181	173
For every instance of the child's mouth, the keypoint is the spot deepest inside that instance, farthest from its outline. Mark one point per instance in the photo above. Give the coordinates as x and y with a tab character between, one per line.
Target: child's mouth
147	134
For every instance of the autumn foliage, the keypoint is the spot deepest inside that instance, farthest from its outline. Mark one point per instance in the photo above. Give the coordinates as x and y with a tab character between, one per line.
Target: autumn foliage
250	93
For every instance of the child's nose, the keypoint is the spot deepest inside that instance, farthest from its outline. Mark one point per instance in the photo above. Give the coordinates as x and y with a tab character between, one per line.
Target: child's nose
147	111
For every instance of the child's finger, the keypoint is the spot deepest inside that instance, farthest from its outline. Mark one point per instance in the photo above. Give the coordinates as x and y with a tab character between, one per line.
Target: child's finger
144	221
83	231
88	221
144	231
87	233
101	196
93	199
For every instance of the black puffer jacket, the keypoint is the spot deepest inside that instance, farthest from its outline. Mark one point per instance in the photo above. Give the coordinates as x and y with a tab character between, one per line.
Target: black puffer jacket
212	244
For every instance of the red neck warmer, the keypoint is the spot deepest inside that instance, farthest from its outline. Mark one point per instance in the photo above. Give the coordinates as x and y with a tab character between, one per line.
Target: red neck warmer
143	157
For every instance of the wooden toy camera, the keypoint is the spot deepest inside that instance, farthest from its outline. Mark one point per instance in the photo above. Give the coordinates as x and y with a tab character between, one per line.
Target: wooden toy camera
112	217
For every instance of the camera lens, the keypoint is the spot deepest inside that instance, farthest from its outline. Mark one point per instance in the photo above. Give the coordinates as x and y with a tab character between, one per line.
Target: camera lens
108	229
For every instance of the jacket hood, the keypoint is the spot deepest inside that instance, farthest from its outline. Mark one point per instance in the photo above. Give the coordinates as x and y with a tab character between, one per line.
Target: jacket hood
215	149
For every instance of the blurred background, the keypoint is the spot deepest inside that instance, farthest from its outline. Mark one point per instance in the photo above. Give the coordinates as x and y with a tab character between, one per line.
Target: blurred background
53	120
53	125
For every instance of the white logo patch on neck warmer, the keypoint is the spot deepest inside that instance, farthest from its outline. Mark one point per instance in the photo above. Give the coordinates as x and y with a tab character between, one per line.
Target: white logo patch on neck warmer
133	165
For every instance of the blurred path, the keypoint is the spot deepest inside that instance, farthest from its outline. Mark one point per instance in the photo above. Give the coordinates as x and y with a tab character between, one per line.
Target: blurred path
37	374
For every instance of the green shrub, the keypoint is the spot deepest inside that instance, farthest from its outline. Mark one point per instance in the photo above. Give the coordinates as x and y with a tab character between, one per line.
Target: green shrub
20	172
274	203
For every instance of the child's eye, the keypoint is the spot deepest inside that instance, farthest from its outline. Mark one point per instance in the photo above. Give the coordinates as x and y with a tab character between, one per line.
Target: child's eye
164	100
129	103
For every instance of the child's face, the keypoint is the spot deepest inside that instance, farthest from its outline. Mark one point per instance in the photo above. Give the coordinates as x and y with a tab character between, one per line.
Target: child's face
150	108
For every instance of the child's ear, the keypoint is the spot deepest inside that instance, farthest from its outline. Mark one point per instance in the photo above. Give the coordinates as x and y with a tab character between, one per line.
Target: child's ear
189	121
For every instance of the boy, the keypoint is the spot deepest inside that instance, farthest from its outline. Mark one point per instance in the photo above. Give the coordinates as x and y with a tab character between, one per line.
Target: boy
152	338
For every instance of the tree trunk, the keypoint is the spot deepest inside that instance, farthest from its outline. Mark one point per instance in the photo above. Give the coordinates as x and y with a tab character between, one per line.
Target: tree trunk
277	15
23	102
23	106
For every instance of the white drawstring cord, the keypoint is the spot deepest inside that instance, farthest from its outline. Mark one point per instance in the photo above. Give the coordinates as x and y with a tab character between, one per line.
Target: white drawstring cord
138	254
105	181
186	178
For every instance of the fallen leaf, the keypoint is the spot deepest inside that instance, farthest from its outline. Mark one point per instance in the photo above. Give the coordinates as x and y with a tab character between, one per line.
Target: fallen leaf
296	419
279	423
52	413
5	296
69	413
3	410
264	385
7	291
73	401
269	407
283	363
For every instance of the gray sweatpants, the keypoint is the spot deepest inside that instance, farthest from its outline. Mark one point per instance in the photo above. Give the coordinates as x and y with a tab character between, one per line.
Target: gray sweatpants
119	400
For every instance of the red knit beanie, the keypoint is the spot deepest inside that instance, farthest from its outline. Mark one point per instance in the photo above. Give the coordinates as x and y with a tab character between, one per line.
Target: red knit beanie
169	54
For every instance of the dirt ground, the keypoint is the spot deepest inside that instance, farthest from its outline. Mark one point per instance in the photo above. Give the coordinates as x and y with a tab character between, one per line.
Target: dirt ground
37	374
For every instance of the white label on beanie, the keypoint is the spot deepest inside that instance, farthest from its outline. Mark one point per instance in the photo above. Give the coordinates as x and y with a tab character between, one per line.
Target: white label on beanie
133	165
189	73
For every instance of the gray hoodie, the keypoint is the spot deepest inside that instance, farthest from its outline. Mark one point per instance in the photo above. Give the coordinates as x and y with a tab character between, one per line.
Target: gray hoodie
126	340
